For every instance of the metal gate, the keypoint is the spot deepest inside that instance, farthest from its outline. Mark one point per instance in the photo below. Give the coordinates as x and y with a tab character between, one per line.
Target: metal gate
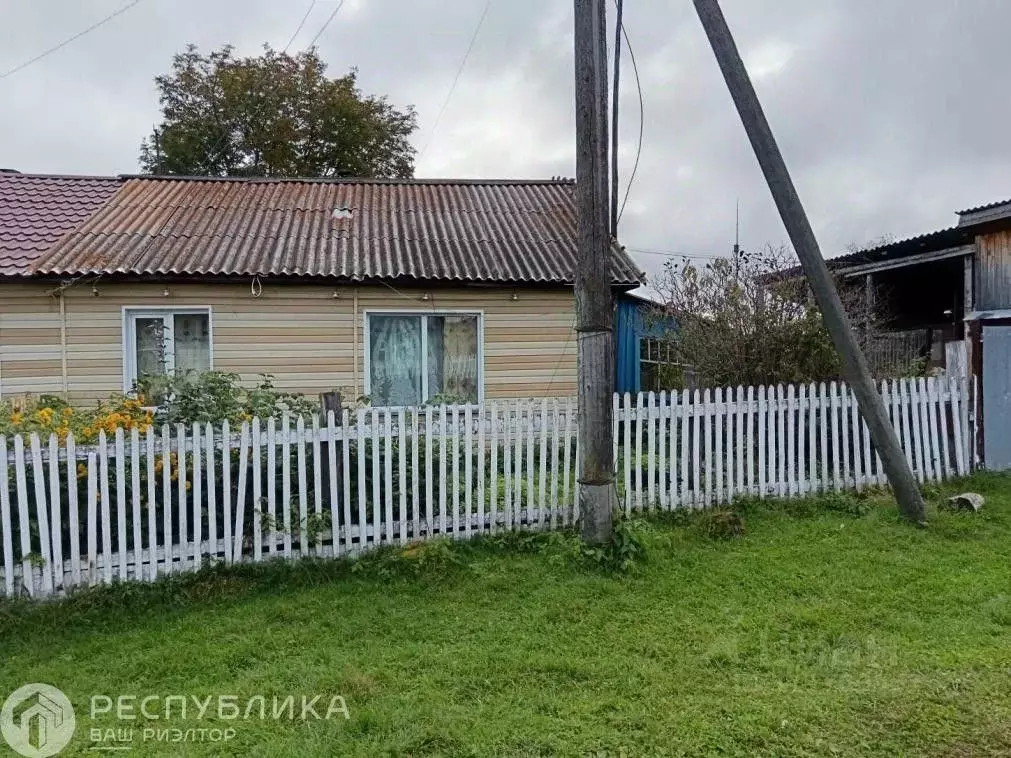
997	397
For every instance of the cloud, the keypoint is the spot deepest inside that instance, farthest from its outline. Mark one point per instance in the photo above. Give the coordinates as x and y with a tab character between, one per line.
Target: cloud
889	119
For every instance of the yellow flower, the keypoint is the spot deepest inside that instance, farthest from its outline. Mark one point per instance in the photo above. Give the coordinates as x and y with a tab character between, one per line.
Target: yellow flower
67	412
44	416
82	471
16	418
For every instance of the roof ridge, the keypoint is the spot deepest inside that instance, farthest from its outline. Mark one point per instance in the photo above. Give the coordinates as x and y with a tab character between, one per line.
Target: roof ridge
81	177
348	180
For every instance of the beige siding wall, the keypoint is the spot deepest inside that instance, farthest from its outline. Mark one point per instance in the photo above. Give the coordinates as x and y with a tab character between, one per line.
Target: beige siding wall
301	334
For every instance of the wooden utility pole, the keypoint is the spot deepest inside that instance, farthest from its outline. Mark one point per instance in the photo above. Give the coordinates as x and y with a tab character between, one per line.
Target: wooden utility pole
594	301
798	227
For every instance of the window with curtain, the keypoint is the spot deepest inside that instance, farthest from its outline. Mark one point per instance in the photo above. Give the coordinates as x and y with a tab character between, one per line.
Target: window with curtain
165	341
414	358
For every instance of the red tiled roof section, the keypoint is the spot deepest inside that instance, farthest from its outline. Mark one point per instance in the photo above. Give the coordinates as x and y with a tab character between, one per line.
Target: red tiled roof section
468	230
35	211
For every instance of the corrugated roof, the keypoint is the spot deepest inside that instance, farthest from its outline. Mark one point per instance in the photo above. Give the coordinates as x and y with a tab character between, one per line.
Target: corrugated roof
953	236
484	231
984	207
35	211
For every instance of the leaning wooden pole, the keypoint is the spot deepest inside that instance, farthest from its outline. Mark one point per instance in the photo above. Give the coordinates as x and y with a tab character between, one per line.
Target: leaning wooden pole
594	301
900	476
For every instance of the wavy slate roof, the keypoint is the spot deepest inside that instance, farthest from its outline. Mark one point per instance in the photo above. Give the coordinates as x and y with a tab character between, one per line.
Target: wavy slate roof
464	230
35	211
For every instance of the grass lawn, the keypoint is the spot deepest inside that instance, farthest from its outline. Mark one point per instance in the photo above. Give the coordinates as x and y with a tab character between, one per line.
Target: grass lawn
819	632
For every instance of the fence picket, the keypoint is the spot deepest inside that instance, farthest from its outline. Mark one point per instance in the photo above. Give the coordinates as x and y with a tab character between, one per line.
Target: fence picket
929	424
650	450
416	499
429	489
388	531
531	476
5	519
844	423
802	403
791	440
468	501
570	425
718	446
916	403
345	477
317	490
135	491
482	484
442	470
749	439
106	506
834	403
865	437
303	489
286	498
166	482
739	439
360	431
507	455
377	483
402	461
240	497
707	429
454	427
92	523
943	388
763	393
257	492
334	477
672	450
542	483
226	491
270	531
73	507
781	442
556	432
45	558
493	438
120	551
197	497
957	399
638	484
56	508
212	495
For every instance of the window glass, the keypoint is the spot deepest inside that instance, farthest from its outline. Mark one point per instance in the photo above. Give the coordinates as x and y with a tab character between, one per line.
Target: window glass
452	358
395	360
191	336
150	346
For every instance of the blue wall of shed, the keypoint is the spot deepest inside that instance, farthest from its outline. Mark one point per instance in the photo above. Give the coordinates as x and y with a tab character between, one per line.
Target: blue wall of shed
630	326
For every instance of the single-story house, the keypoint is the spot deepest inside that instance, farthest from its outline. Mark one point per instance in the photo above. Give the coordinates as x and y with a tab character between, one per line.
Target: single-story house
400	290
946	295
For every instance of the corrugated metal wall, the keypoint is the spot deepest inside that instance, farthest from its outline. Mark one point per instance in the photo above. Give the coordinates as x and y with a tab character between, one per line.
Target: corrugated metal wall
993	271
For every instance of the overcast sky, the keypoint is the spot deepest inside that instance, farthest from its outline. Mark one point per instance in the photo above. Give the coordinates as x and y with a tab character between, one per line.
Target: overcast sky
891	114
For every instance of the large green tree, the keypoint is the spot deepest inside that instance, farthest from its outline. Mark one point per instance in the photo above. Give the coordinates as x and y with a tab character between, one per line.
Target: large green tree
273	115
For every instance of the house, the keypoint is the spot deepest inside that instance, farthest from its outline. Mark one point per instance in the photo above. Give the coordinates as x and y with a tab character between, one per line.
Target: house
642	331
401	290
946	296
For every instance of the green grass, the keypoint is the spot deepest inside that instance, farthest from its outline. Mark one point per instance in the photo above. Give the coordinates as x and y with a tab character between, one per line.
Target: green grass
828	628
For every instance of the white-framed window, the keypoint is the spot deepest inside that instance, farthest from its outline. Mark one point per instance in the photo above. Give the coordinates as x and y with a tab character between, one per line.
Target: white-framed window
413	357
160	341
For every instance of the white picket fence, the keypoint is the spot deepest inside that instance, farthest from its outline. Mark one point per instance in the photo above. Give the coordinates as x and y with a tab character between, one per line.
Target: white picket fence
143	505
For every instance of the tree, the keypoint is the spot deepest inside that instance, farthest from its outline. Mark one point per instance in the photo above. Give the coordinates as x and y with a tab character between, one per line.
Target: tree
273	115
740	323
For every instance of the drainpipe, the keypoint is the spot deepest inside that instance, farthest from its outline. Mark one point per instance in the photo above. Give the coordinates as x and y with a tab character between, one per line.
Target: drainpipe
354	340
63	345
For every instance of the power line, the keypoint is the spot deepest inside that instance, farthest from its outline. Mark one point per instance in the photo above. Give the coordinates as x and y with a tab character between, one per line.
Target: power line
300	24
463	63
638	149
67	41
674	253
326	24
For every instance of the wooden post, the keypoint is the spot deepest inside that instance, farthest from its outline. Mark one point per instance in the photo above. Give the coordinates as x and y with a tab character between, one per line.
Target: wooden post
798	227
594	300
